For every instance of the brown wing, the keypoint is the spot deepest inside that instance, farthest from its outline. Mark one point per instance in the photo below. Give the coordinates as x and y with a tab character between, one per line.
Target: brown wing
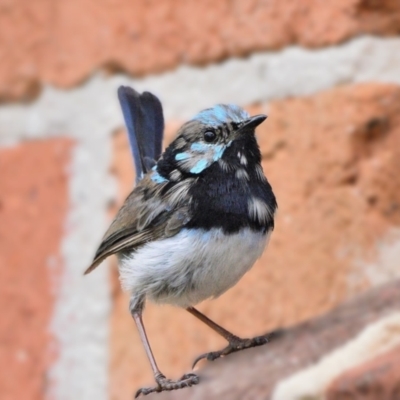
145	216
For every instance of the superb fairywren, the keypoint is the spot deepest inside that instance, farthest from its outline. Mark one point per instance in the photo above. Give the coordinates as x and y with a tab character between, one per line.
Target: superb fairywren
197	220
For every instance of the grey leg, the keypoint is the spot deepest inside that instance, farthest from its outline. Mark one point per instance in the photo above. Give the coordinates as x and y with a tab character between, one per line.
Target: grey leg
137	316
162	382
235	342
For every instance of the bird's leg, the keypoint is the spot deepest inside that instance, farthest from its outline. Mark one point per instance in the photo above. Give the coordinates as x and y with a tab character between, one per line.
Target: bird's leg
162	382
235	343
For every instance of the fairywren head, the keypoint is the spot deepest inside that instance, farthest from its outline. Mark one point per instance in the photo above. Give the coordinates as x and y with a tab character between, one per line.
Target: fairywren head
224	134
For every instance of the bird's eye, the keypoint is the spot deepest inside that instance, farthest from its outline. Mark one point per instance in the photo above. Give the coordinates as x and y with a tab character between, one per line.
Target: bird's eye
209	136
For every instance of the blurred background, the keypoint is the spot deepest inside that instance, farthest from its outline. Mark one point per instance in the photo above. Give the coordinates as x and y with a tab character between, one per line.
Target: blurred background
327	73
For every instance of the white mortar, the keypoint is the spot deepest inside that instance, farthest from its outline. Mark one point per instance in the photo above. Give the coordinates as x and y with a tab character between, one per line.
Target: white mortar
312	382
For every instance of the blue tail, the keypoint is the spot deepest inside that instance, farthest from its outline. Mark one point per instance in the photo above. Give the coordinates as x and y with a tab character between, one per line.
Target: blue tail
144	120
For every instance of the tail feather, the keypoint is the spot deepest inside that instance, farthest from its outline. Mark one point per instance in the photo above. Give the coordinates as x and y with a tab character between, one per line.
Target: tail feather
144	121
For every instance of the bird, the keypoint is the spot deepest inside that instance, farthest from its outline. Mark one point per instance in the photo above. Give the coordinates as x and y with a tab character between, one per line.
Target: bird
200	215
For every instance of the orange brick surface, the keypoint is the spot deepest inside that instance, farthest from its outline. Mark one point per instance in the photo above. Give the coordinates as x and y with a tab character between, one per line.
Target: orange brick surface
33	207
65	42
376	379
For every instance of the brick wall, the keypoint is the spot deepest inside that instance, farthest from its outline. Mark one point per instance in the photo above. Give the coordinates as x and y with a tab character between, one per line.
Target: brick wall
326	73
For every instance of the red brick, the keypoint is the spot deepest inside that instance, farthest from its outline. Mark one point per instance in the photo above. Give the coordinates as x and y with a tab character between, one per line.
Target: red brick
377	379
63	43
33	207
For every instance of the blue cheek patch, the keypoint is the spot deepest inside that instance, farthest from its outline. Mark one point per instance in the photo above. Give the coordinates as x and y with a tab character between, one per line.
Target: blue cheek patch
203	148
210	152
157	178
182	156
200	147
218	152
199	167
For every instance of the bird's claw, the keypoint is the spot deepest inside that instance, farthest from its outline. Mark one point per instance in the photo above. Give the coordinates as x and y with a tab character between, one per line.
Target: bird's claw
164	384
235	345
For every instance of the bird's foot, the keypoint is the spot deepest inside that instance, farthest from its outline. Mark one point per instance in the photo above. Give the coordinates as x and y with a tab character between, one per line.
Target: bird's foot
235	344
164	384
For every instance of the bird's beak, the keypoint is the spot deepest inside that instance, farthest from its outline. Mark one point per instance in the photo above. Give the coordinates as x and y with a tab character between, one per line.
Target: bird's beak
253	122
250	124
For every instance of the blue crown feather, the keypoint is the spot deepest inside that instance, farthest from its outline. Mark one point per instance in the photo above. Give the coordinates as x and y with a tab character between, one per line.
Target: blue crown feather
220	114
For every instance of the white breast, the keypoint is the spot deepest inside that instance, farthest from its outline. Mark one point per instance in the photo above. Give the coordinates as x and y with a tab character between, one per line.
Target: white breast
191	266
